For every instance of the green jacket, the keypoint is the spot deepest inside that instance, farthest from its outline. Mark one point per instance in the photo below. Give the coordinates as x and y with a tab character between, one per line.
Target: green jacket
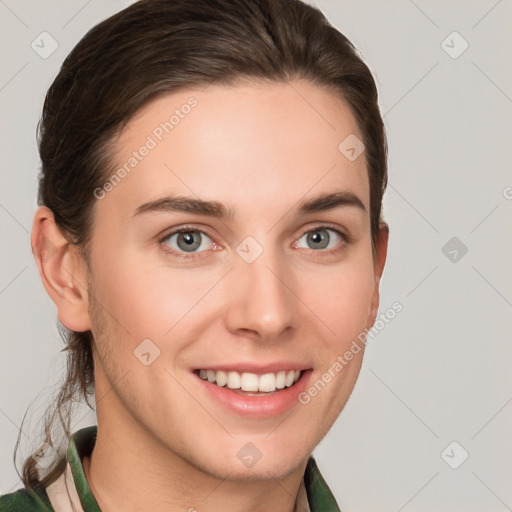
319	496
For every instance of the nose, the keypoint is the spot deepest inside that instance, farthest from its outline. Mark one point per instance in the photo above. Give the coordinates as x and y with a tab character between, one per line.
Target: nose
261	299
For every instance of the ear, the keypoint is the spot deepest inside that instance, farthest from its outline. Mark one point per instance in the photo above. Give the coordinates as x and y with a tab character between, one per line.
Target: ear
379	260
62	269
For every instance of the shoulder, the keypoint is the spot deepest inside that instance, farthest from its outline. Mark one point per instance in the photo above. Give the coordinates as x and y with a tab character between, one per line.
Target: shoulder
25	500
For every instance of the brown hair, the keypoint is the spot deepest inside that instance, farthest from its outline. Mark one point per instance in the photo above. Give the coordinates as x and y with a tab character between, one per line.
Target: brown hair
155	47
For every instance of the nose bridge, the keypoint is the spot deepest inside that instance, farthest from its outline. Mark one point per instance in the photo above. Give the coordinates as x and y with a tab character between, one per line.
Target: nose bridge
262	300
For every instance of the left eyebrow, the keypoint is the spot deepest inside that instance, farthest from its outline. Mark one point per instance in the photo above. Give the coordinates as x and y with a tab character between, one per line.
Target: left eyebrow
323	202
326	202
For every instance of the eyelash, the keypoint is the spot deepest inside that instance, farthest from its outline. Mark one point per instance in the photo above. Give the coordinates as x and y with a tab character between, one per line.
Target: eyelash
345	240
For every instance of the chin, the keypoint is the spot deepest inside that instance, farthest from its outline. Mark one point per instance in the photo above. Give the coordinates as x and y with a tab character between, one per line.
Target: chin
252	465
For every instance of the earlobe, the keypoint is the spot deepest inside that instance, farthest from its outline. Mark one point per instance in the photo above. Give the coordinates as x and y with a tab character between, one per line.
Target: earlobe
62	271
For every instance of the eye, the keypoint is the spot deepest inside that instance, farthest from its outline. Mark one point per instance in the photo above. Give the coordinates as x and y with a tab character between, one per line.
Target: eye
187	240
321	238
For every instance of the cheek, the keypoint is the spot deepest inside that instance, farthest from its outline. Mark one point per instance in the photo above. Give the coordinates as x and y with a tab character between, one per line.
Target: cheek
147	300
342	298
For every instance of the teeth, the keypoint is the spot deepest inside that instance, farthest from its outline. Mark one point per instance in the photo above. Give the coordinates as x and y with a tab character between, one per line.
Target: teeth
280	380
268	382
221	378
233	381
249	382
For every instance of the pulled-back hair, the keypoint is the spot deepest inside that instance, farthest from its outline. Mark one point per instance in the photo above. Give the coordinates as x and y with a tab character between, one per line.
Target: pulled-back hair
156	47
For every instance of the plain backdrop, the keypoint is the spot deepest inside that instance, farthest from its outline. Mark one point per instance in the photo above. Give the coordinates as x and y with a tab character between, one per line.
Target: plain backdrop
428	424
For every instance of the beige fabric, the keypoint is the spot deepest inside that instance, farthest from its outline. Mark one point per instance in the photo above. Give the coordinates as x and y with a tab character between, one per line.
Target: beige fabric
62	493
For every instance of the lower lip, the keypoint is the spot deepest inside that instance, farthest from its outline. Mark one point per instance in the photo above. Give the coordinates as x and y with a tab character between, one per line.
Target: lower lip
262	406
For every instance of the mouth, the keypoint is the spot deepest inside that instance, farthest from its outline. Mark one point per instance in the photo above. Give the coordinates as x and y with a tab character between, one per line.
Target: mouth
251	384
265	394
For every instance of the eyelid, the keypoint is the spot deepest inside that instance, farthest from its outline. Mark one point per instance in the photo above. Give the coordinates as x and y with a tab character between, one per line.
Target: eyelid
326	225
168	232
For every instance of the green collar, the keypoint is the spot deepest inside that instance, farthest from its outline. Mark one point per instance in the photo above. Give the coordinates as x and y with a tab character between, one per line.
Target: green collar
81	444
320	497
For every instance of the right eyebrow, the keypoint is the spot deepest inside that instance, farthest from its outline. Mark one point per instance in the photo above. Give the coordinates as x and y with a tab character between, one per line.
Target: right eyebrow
185	204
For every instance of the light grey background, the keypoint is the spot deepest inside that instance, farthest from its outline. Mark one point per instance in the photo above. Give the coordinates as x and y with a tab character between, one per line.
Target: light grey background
440	371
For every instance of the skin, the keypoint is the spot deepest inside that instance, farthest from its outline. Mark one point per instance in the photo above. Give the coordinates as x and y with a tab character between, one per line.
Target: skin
259	149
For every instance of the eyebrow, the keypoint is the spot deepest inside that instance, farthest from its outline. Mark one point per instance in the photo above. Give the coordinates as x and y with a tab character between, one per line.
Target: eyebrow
321	203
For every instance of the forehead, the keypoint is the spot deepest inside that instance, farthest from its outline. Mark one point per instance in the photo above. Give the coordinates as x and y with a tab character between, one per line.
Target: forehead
252	146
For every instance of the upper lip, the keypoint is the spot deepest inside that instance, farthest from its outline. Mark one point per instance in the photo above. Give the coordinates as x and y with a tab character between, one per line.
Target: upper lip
259	369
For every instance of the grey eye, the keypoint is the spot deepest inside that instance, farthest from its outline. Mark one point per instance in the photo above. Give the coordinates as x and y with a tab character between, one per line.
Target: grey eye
320	238
189	241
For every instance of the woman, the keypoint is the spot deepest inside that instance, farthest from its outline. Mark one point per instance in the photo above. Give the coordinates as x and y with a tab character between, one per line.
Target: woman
194	154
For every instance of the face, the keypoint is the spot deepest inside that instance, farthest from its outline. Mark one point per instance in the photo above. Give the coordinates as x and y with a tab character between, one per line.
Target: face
213	256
